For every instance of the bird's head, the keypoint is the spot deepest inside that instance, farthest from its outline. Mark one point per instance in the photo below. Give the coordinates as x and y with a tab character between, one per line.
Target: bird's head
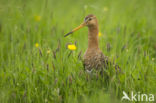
90	21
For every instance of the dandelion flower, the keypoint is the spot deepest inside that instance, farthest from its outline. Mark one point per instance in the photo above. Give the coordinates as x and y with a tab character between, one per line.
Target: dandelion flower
37	18
36	45
105	9
99	34
71	47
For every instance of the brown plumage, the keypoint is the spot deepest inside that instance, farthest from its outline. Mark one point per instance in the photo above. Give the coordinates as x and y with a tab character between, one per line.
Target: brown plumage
93	57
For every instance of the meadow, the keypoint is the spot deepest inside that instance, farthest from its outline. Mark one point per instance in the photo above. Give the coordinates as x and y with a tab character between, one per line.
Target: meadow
37	67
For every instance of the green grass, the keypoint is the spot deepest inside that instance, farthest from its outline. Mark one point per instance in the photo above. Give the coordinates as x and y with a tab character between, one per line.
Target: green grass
30	75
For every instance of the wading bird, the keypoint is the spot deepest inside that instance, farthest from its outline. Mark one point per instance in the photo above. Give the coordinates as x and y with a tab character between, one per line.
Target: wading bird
93	57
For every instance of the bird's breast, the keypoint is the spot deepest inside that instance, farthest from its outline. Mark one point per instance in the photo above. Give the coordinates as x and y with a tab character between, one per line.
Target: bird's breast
93	59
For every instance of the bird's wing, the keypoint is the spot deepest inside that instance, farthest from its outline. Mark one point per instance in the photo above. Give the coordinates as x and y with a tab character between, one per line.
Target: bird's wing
107	63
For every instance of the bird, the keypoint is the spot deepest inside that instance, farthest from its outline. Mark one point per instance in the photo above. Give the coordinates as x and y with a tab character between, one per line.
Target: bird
93	58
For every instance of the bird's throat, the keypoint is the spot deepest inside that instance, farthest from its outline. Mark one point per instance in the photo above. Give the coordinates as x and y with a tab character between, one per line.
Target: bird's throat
93	37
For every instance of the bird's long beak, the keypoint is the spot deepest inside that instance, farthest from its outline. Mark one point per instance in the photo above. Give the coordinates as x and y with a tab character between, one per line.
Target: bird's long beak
77	28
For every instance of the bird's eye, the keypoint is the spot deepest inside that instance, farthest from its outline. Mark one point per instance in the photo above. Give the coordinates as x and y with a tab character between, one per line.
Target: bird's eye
89	19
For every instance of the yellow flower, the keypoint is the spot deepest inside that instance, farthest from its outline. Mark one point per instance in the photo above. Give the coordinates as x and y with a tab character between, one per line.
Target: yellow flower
71	47
37	18
48	51
99	34
36	45
105	9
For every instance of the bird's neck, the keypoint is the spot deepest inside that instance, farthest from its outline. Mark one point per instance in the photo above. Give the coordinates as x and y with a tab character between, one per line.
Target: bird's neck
93	37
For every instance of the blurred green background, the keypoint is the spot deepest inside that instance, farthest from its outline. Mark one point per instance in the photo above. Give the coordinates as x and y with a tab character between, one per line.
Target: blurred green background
37	67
